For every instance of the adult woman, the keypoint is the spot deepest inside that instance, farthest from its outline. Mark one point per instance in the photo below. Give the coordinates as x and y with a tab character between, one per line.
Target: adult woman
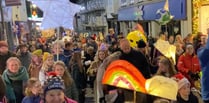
48	61
15	78
92	70
188	64
166	67
53	91
70	90
33	91
78	75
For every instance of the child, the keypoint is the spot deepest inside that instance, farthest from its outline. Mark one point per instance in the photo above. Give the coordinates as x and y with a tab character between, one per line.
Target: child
184	91
33	91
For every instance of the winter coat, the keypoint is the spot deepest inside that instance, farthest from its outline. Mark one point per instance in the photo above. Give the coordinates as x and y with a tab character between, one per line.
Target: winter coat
34	70
25	59
31	99
71	92
3	60
188	63
192	99
138	60
67	100
15	84
203	54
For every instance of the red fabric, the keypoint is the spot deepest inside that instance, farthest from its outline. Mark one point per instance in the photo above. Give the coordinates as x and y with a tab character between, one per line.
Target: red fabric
188	63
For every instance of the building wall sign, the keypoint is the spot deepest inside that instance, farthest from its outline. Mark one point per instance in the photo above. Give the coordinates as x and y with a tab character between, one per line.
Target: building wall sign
12	2
148	11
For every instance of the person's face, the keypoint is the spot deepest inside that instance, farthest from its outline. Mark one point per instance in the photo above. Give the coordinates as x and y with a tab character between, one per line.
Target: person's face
24	49
162	67
55	96
50	61
37	88
185	90
125	47
101	55
4	50
13	66
190	50
58	69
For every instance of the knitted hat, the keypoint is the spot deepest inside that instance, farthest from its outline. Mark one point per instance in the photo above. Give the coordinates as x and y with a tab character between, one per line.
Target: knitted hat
3	43
46	55
181	80
163	87
53	82
37	52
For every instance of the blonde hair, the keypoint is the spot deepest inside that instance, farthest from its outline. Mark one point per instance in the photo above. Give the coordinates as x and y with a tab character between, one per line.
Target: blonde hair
66	76
30	84
45	66
14	59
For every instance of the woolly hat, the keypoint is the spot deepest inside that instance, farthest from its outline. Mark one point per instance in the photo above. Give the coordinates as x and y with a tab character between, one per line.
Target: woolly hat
181	80
163	87
46	55
37	52
53	82
3	43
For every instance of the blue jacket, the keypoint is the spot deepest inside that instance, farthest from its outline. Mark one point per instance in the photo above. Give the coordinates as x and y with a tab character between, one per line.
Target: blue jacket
31	99
203	55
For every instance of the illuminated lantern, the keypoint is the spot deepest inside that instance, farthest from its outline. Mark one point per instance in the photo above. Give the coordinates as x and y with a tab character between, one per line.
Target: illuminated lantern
134	37
123	74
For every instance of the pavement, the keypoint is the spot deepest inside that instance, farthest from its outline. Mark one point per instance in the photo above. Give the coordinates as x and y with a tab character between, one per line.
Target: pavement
89	96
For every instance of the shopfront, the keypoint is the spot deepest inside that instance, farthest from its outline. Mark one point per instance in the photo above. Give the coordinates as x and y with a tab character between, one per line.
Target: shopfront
200	17
146	12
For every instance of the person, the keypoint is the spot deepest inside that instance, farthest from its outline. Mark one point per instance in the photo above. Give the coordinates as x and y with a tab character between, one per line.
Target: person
4	55
92	70
134	57
188	64
78	75
36	63
184	91
165	67
33	91
24	55
2	91
203	54
15	78
111	37
70	88
53	90
48	61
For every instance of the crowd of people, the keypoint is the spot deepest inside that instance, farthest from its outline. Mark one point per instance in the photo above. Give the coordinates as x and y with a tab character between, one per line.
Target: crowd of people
57	71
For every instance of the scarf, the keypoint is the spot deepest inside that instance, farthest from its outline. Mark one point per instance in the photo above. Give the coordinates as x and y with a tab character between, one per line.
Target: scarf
8	76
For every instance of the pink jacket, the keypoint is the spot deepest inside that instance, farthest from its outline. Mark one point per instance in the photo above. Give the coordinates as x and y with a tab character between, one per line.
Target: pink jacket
68	100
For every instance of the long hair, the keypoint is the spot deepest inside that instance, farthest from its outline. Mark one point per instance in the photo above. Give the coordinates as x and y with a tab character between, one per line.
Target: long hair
168	62
30	83
45	67
66	76
76	59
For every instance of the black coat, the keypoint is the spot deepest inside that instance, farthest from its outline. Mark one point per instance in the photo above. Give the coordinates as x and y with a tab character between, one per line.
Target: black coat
138	60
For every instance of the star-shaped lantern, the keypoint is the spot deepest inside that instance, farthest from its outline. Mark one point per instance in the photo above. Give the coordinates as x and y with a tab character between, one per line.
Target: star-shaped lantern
57	13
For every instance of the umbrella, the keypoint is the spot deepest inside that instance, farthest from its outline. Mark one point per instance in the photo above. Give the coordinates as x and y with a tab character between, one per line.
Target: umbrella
57	13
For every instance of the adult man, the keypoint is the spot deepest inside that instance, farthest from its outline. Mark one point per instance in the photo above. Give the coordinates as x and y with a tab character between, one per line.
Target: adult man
203	55
4	55
24	55
111	37
134	57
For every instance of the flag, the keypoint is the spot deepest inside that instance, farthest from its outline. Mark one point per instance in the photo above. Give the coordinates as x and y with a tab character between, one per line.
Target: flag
166	6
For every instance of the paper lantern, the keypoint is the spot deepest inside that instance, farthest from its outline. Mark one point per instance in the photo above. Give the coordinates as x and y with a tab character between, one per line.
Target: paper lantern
134	36
163	16
121	73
